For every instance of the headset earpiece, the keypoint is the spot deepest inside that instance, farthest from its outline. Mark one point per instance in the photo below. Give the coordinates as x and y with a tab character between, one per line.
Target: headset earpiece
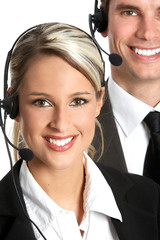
99	20
11	105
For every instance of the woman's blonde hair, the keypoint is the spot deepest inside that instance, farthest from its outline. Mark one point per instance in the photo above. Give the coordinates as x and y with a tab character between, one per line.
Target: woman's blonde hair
69	42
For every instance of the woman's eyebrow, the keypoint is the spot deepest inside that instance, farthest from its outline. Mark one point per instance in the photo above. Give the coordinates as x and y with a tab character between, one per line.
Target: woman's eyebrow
38	94
48	95
80	93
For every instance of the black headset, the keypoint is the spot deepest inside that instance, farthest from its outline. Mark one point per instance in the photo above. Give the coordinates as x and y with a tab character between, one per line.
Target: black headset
98	19
99	22
10	102
11	106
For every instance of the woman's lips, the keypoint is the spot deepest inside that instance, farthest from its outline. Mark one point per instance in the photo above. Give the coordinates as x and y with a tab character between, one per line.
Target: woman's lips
60	144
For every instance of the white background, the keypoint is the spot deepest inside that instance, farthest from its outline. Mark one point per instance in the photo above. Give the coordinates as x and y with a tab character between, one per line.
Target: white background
16	16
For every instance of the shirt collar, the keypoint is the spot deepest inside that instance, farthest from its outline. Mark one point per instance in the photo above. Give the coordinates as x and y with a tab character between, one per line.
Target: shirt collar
40	206
98	195
129	111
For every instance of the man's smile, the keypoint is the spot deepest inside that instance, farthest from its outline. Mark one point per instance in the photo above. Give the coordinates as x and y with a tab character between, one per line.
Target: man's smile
146	52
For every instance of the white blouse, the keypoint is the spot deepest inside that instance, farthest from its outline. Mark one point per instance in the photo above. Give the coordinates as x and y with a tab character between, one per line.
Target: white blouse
57	223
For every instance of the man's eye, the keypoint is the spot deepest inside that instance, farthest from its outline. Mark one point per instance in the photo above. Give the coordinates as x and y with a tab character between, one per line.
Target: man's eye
130	13
78	102
41	103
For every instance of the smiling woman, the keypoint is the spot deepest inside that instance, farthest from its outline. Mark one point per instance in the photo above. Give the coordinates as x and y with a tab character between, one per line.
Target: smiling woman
56	77
55	41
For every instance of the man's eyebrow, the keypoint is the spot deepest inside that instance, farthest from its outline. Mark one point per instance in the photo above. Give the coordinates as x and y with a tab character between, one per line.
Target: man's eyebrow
125	7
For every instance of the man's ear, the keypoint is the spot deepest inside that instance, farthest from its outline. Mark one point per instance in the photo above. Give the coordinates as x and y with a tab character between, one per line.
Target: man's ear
105	33
100	101
17	118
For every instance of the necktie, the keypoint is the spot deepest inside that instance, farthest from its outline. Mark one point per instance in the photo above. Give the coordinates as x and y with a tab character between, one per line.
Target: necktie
152	159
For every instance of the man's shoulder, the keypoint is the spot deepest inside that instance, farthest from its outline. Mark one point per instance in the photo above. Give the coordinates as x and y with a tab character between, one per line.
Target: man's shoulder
122	181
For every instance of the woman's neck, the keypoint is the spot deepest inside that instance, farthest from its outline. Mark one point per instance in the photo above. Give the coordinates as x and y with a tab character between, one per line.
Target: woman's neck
65	187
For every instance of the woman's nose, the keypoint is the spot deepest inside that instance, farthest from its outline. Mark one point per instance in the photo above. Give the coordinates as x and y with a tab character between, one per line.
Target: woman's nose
60	120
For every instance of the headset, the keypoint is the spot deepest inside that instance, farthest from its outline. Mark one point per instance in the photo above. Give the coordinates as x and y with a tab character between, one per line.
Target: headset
99	22
11	107
10	102
98	19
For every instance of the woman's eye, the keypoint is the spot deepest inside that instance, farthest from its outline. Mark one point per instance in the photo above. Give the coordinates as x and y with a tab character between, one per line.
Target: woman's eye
78	102
41	103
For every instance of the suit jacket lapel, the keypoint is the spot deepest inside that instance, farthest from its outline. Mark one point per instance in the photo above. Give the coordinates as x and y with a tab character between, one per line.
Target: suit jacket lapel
113	153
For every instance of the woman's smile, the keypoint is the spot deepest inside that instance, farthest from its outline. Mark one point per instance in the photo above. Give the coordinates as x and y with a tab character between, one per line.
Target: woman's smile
60	144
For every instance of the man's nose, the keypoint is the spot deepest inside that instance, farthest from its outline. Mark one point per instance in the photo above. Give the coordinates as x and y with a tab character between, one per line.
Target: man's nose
148	29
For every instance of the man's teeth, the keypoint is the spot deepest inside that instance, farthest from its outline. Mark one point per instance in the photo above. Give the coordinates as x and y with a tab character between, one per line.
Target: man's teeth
60	142
145	52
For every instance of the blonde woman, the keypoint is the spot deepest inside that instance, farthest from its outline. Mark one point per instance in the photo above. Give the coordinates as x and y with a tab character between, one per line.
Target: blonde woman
56	74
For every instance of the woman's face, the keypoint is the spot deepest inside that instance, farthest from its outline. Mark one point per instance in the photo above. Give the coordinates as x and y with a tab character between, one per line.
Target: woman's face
57	111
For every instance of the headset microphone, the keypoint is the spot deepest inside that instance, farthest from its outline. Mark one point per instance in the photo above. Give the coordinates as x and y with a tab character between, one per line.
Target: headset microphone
98	22
25	153
114	58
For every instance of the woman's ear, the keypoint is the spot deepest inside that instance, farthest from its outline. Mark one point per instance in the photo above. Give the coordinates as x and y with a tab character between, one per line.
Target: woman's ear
10	89
100	101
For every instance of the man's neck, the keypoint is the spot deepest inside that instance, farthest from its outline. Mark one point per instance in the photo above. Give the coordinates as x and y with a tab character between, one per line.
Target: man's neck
146	91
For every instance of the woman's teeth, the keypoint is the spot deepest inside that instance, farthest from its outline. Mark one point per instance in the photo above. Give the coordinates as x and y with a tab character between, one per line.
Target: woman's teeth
59	142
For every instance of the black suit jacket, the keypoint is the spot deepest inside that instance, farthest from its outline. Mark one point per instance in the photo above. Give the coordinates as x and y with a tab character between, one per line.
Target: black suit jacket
137	199
113	154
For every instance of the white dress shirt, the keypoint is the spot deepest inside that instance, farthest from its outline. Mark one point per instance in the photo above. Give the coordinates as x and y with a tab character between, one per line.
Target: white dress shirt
57	223
129	113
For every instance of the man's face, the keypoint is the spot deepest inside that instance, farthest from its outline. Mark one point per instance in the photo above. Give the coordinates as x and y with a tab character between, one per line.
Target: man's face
134	33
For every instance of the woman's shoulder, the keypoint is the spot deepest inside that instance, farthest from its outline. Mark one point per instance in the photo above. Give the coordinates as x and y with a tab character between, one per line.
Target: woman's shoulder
9	177
9	183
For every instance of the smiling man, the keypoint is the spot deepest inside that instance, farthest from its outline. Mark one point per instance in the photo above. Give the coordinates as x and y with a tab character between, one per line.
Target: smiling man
133	90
